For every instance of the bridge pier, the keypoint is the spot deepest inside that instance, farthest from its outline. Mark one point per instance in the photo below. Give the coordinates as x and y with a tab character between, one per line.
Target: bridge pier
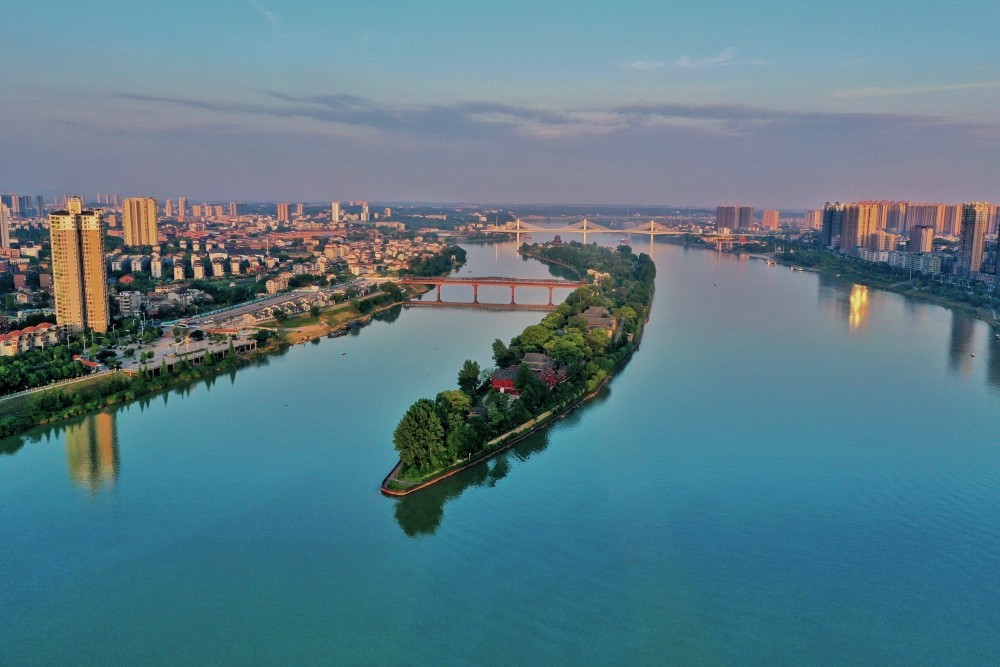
439	293
475	293
550	296
512	288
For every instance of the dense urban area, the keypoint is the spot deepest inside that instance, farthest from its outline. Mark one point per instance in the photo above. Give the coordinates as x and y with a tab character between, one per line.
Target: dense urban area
143	287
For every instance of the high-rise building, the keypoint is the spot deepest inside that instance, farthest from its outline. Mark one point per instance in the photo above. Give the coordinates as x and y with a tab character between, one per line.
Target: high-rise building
921	239
335	212
237	208
881	241
365	215
746	220
860	221
952	220
833	223
975	218
814	219
726	217
300	209
168	209
770	219
181	208
139	220
928	215
4	226
283	211
79	281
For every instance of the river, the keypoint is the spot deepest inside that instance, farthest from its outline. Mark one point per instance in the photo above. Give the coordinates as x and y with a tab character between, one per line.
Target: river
791	470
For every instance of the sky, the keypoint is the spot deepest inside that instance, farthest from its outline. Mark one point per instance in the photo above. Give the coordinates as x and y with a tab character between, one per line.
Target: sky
771	103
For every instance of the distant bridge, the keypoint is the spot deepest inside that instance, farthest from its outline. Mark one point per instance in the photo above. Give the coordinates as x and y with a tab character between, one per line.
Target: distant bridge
651	229
585	227
489	281
483	306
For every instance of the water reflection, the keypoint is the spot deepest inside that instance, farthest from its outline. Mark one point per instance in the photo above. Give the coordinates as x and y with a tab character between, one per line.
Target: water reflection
421	513
389	315
92	451
852	305
960	342
993	362
859	307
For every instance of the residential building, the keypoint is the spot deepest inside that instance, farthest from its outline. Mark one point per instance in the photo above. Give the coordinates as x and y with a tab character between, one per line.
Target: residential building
814	219
335	213
770	219
283	211
726	217
833	223
30	338
130	303
921	239
139	220
746	219
859	222
924	262
975	218
4	226
79	279
181	209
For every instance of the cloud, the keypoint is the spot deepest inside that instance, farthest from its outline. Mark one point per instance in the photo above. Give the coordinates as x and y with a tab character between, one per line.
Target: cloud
644	65
915	90
270	17
724	58
488	121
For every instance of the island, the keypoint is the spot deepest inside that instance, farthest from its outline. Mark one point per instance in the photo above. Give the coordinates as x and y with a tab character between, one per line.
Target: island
541	374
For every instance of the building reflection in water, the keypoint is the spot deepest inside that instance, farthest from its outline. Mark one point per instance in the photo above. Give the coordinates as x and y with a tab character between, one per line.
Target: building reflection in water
844	301
92	451
858	316
960	349
993	362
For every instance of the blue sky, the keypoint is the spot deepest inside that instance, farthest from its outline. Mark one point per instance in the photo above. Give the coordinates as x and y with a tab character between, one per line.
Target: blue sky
782	104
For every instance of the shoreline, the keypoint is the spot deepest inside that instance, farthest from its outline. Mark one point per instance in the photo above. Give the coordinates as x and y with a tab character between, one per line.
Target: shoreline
126	396
944	302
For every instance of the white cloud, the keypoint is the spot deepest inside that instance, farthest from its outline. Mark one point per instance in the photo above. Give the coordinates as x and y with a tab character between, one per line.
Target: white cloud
644	65
724	58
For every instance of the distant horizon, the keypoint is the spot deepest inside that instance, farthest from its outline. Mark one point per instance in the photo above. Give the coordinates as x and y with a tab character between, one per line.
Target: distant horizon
91	198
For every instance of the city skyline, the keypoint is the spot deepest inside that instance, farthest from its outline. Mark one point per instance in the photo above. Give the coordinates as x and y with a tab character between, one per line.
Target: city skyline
643	104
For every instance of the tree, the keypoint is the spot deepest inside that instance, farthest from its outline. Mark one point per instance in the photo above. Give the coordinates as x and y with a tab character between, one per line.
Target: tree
280	315
419	437
468	377
393	291
502	355
314	310
535	336
452	401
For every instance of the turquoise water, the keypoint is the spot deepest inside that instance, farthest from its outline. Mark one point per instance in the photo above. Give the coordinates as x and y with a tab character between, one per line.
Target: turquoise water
792	470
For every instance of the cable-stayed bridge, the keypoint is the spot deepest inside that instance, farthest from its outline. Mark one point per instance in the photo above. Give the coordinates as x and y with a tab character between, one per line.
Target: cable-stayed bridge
585	227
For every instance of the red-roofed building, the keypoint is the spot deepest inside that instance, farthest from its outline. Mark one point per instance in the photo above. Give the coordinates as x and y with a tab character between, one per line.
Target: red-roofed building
30	338
93	365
